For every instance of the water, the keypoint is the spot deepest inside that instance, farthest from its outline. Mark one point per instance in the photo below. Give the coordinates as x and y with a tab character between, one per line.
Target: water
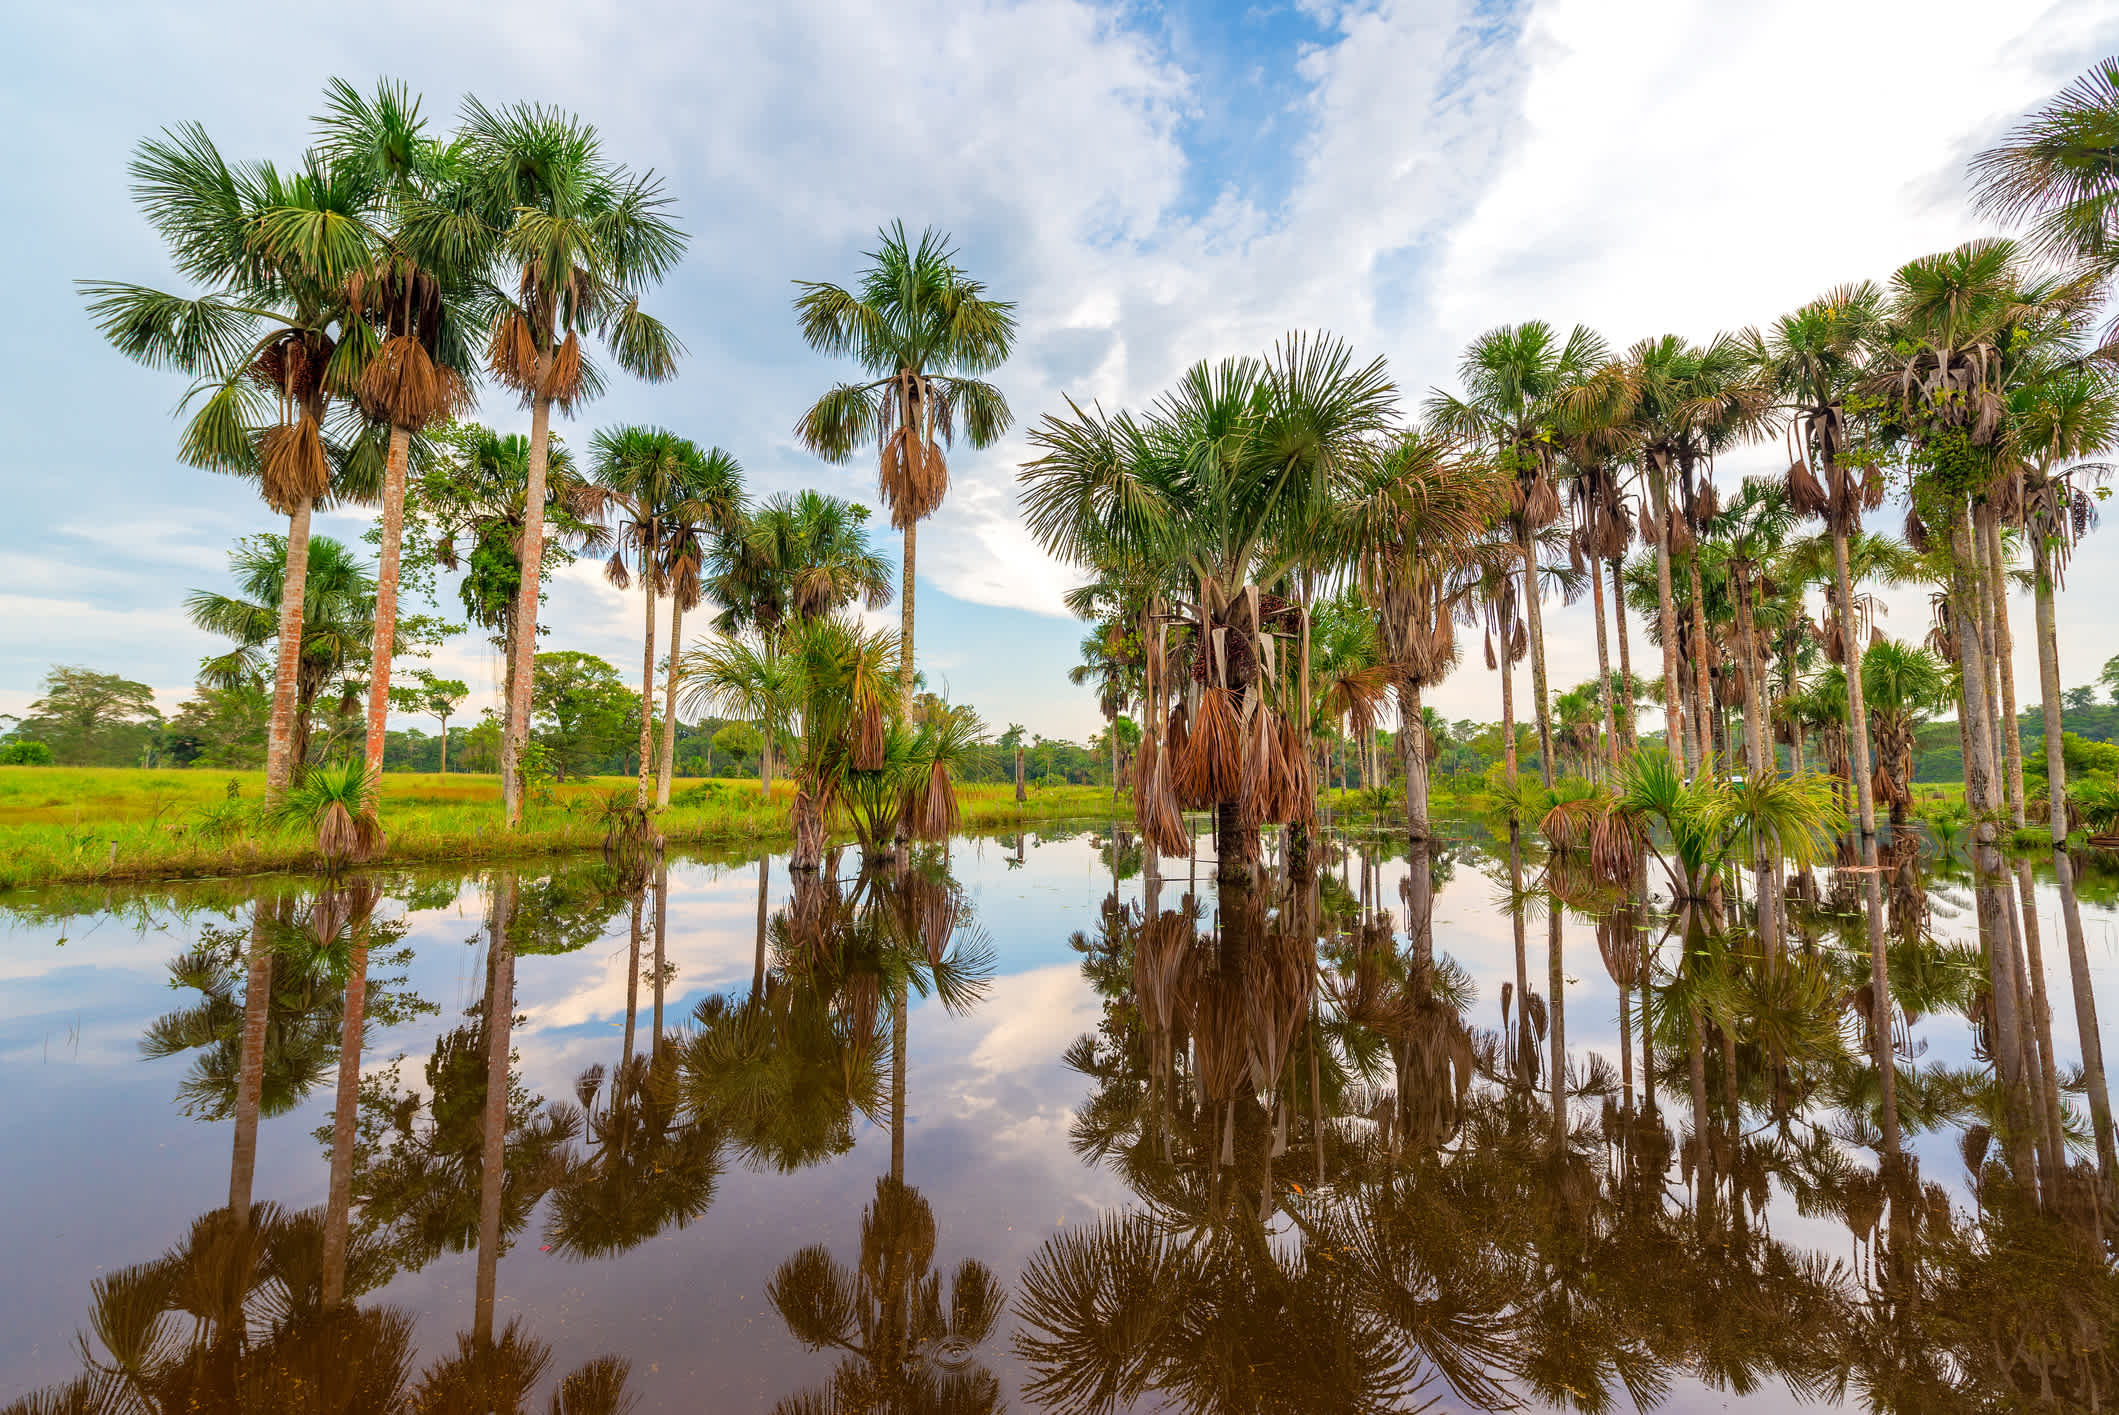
1102	1187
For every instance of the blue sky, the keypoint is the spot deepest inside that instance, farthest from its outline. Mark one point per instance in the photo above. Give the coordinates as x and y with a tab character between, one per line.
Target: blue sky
1152	185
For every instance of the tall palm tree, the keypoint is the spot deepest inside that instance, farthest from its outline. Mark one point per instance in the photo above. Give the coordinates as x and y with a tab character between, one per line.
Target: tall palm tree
923	331
477	492
1815	358
798	556
1518	381
689	527
658	481
2069	415
577	240
274	345
419	301
335	625
1232	476
1415	527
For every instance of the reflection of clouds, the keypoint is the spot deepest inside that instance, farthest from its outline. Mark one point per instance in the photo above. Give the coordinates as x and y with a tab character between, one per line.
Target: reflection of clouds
1034	1016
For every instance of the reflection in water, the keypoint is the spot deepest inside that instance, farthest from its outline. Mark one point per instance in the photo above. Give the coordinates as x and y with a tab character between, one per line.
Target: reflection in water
1820	1141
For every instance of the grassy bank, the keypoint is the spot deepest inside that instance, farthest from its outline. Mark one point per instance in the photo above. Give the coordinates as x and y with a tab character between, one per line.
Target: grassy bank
78	825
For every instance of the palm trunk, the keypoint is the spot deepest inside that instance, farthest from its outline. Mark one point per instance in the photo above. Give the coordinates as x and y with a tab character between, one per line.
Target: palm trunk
632	983
1626	706
757	974
647	670
1703	690
1111	732
2005	668
897	1081
250	1068
492	1169
1524	1050
280	759
666	764
1556	1015
531	555
444	747
1508	706
2049	697
1968	626
1611	732
765	766
1667	616
662	919
1857	711
2041	1013
1019	795
339	1203
1880	1000
2091	1038
1531	604
1412	760
384	644
905	669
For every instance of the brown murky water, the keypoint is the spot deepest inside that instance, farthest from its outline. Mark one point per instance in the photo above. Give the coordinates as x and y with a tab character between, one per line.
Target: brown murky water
1025	1125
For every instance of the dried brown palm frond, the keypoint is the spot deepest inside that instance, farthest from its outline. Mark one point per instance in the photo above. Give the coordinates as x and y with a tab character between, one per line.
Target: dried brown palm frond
931	806
913	478
292	466
348	836
562	381
1916	531
403	386
293	365
1541	504
1806	495
1257	784
871	738
1519	647
1278	971
1298	805
1163	956
511	351
1677	535
1209	767
1155	803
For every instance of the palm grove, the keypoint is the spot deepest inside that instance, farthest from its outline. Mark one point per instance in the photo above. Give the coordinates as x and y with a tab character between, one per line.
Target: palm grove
1282	554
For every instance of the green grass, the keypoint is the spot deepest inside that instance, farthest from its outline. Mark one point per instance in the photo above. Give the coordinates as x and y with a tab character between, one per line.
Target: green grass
77	825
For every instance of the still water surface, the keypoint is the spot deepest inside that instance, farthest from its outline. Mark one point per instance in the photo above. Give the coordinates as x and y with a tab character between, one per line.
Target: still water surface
1015	1126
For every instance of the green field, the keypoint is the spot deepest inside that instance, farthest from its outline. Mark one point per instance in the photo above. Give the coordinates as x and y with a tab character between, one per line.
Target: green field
87	824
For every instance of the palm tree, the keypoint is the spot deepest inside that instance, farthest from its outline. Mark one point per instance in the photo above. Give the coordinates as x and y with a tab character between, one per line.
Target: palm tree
417	300
273	346
1232	476
689	527
335	625
1901	685
923	331
2055	170
478	492
745	679
1415	528
796	557
1110	659
1518	381
577	240
657	480
2068	415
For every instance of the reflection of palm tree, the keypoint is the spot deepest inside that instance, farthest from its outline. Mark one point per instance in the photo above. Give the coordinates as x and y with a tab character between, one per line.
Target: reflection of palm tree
650	1167
907	1342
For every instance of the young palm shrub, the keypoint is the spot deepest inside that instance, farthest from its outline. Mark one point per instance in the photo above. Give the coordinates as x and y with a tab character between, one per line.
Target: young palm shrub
1710	822
1901	684
331	800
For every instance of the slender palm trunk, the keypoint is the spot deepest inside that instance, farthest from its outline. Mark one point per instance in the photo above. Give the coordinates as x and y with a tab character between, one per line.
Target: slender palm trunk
2049	697
1703	690
1618	613
531	554
281	761
339	1203
1556	1015
2005	667
250	1067
1412	760
648	570
385	640
1524	1050
905	583
1532	597
765	765
493	1152
1611	730
2041	1011
1019	794
1667	617
1508	706
1880	999
662	919
1857	711
444	747
666	762
757	972
897	1080
2091	1039
632	984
